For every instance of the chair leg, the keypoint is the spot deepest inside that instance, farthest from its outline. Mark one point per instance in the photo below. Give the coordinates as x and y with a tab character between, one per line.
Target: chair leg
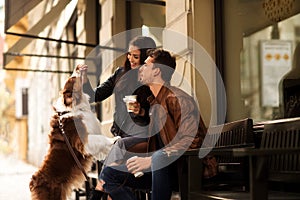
87	189
77	196
95	195
78	193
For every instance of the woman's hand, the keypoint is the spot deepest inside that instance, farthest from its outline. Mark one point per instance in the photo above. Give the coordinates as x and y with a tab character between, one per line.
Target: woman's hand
138	164
82	69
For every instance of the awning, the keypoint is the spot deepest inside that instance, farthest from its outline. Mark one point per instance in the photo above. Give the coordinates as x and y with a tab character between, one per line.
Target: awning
15	10
60	13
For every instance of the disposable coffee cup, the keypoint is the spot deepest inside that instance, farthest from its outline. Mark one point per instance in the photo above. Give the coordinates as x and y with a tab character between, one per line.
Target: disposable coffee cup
129	100
138	174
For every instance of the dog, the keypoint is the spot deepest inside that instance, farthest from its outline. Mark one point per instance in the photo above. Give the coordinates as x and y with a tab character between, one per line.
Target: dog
59	174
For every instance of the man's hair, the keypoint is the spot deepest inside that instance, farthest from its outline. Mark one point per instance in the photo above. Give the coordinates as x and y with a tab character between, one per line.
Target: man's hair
165	61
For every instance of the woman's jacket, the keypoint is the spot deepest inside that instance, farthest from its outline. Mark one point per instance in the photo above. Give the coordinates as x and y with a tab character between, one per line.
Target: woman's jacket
122	83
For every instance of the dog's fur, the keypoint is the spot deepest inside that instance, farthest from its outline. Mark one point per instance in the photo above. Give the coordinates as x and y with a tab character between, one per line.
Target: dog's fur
59	173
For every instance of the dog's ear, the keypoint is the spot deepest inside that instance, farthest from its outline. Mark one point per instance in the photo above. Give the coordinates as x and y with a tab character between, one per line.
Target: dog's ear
54	121
59	106
53	107
76	72
69	85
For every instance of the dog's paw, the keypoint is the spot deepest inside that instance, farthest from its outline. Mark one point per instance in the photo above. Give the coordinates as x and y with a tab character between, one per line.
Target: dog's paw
114	139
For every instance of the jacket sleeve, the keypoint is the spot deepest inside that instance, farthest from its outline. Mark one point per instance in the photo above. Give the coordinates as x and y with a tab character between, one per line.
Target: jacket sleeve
142	93
187	122
103	90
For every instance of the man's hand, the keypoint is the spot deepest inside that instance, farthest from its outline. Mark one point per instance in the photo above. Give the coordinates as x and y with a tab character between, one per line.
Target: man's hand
135	107
138	164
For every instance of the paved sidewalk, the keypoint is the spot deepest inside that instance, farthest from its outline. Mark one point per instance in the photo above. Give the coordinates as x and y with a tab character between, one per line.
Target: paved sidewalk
14	178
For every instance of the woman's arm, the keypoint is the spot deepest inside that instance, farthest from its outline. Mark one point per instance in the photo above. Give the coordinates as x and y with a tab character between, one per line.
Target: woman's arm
104	90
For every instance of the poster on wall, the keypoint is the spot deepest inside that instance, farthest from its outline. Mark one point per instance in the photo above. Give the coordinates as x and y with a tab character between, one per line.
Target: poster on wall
276	61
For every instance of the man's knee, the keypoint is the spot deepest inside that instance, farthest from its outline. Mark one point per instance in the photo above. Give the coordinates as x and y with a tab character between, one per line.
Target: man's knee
160	160
107	174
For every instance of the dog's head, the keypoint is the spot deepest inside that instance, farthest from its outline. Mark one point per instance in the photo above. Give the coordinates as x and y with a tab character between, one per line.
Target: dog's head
68	108
71	96
72	91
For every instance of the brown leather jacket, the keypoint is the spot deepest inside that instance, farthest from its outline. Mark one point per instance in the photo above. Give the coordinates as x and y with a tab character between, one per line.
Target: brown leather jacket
175	116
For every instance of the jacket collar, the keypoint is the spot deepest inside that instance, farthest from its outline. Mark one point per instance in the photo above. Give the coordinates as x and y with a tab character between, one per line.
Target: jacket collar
161	94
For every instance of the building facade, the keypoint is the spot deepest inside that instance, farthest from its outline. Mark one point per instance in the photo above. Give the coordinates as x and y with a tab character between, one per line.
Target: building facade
220	47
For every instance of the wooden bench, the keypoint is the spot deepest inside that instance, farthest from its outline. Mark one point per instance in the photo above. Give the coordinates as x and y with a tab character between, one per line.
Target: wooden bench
277	160
237	134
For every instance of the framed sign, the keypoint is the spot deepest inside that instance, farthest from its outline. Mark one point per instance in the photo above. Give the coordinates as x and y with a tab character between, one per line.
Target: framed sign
276	61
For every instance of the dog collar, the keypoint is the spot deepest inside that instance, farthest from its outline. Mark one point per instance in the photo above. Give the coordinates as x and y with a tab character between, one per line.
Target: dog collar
62	113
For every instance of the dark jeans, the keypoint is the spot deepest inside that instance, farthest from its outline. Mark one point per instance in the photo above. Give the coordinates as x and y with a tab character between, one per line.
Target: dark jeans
119	182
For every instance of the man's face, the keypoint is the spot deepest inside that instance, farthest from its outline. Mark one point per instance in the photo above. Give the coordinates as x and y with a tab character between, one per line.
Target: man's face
147	71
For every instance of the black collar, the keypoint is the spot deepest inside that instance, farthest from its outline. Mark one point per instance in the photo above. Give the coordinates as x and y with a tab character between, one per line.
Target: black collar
62	113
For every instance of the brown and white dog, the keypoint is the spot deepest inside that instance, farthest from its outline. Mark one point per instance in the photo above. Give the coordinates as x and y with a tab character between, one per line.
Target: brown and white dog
59	173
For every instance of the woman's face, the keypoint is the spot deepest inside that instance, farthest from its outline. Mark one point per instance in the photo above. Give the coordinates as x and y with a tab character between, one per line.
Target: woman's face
134	57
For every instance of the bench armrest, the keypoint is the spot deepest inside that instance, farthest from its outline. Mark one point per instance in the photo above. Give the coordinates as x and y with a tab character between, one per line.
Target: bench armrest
264	152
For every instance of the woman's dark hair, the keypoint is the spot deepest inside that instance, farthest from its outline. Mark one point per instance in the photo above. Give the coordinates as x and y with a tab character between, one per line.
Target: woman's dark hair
143	43
165	61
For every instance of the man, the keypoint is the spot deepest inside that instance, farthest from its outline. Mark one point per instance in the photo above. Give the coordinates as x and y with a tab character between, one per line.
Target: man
175	126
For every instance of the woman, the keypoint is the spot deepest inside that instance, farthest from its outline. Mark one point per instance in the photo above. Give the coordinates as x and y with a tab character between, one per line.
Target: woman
123	82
